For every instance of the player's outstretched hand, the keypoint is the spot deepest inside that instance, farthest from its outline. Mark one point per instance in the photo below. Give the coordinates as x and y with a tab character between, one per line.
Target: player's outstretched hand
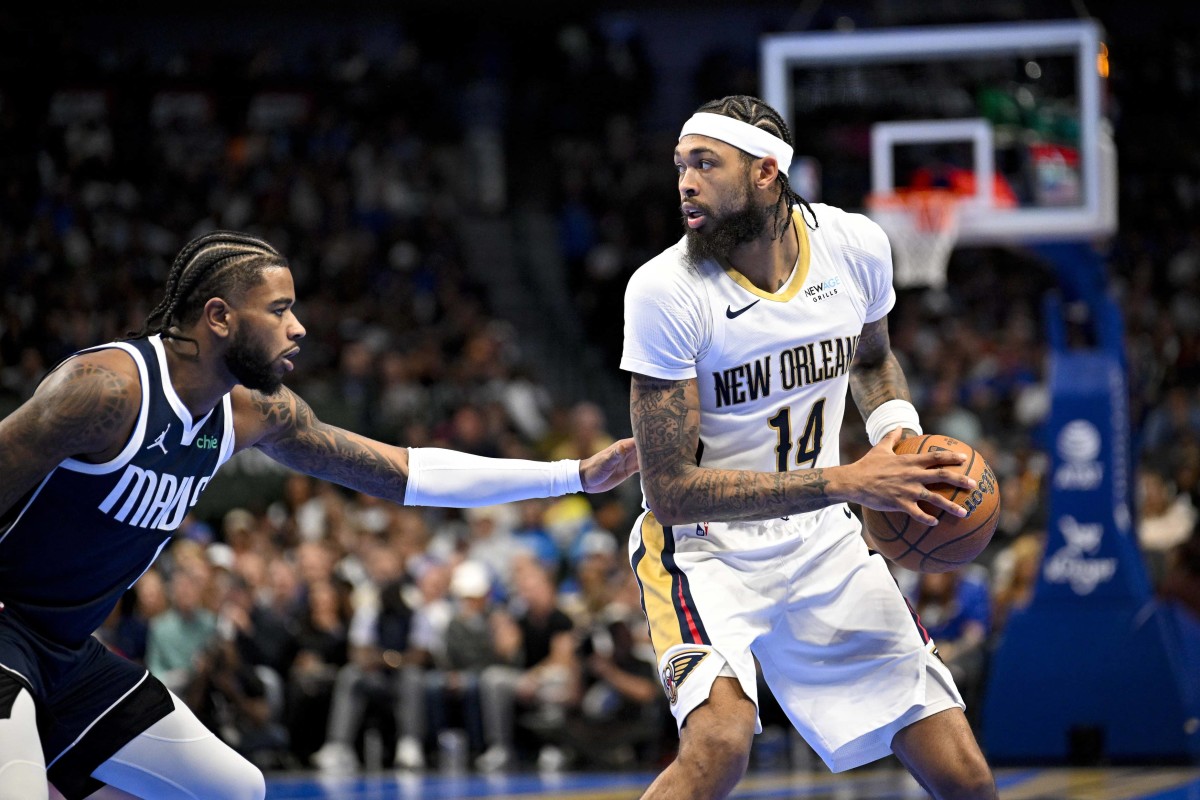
894	482
609	467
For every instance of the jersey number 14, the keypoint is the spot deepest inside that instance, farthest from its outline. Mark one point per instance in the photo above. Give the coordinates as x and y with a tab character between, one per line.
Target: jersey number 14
808	446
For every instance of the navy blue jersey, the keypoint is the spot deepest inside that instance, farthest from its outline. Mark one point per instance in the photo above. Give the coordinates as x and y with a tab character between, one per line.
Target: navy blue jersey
74	544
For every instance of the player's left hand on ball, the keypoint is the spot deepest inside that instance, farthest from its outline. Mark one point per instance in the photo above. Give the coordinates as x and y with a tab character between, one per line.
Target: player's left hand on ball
906	482
609	467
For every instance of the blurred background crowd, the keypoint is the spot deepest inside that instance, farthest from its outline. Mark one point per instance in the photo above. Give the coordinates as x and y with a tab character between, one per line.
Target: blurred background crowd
461	213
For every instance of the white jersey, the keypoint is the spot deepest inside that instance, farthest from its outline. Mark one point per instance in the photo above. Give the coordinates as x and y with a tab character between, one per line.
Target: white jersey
772	369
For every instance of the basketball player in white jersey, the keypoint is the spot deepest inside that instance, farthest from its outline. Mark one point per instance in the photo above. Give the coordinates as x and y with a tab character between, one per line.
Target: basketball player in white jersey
742	341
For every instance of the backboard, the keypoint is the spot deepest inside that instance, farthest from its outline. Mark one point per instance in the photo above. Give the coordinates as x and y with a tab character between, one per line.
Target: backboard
1010	115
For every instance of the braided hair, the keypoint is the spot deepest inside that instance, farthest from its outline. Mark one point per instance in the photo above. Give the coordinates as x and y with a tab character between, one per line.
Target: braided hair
754	111
220	263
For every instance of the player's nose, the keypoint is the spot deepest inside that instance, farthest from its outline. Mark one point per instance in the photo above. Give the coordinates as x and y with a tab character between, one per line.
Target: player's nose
687	183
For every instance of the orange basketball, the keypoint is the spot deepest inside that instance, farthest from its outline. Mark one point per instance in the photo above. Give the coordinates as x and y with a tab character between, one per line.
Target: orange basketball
954	540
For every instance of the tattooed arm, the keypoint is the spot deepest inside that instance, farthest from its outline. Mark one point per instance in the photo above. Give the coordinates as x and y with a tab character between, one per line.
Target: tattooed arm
666	424
84	409
284	427
875	375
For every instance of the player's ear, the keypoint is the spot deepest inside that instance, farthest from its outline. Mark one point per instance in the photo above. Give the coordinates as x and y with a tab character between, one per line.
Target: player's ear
766	170
216	316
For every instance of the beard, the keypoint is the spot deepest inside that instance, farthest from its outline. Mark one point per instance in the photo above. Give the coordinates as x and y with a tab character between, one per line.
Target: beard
250	365
725	231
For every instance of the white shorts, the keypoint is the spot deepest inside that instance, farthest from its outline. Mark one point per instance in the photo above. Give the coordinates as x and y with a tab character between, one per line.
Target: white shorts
837	643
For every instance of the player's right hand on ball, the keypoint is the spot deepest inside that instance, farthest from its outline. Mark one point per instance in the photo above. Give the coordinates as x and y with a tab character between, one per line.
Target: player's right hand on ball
891	482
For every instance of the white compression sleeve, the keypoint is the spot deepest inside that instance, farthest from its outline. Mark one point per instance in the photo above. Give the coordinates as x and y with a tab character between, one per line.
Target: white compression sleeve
450	479
177	758
22	765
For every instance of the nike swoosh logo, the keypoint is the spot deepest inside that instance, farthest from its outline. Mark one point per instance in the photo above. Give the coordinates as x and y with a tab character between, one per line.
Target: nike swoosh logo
729	312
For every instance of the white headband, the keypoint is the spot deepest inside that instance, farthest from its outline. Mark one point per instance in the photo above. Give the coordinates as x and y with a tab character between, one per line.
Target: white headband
742	135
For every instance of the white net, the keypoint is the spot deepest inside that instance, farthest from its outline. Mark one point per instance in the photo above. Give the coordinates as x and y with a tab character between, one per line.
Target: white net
923	228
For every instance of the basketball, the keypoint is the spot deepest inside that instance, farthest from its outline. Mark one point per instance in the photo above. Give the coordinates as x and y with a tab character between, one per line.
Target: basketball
953	541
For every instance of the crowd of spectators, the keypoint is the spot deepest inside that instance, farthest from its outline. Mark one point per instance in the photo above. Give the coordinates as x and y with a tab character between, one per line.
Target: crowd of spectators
319	628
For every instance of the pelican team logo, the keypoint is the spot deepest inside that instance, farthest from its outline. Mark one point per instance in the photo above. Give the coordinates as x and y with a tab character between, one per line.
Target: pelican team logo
678	667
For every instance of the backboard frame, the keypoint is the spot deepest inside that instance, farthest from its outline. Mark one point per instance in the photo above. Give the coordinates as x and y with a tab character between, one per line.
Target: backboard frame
1094	217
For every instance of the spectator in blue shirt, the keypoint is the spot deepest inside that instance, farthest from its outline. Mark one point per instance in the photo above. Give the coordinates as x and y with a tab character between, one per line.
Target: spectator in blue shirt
955	608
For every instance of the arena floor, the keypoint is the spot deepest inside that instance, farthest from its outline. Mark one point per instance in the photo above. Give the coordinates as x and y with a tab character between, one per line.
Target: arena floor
1104	783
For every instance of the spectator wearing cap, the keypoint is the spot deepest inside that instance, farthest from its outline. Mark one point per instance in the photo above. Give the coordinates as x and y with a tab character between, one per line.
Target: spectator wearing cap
452	685
490	538
238	528
587	591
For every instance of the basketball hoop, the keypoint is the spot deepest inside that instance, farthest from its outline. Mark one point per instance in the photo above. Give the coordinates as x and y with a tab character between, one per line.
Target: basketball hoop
922	225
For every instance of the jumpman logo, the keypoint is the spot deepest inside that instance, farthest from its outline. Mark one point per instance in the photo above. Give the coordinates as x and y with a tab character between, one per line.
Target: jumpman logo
159	441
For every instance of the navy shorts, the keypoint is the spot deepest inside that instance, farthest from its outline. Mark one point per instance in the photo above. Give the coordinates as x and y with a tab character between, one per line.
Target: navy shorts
90	701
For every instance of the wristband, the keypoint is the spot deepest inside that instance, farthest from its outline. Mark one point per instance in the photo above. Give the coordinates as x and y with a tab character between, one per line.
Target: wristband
450	479
889	416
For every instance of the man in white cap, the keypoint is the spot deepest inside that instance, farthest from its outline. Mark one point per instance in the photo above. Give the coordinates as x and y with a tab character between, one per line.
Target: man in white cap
742	340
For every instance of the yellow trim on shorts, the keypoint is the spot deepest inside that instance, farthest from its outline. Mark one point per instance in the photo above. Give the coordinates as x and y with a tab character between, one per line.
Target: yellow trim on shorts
656	588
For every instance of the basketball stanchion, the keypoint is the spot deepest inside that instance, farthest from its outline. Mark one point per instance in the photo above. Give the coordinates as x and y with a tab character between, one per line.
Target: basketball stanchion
922	225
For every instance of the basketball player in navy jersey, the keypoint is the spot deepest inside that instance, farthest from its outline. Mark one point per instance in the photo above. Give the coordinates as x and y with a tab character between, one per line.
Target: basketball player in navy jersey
100	466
